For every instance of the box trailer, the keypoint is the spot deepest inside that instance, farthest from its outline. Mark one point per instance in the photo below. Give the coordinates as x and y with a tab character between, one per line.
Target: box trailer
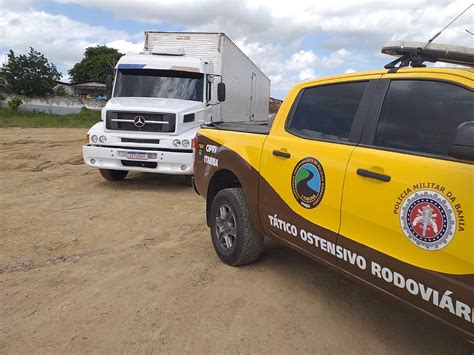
248	89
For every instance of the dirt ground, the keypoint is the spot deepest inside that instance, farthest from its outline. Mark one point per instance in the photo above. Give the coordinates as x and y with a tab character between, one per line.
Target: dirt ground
92	266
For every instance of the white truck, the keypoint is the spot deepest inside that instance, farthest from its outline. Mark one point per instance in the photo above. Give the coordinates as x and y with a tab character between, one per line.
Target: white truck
161	97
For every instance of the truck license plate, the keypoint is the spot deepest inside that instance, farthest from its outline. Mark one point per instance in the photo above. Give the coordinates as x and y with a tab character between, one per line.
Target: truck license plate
136	156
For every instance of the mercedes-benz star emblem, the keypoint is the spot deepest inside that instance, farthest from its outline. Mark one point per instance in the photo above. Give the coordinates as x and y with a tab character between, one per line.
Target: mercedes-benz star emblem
139	121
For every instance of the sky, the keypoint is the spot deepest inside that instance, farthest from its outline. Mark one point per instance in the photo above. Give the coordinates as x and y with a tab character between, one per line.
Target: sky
290	41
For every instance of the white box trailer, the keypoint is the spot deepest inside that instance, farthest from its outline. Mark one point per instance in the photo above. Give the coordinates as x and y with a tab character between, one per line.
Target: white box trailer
247	88
161	97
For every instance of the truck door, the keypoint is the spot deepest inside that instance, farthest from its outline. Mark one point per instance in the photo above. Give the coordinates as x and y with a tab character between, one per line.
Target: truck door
304	161
407	205
253	91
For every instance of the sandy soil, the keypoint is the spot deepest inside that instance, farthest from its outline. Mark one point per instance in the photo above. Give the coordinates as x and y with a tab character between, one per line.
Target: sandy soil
92	266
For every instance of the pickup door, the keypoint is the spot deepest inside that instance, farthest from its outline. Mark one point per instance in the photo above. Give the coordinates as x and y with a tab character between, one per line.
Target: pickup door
359	176
304	161
407	206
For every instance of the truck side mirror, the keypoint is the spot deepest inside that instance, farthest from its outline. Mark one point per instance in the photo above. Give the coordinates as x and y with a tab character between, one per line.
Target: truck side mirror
108	83
463	145
220	92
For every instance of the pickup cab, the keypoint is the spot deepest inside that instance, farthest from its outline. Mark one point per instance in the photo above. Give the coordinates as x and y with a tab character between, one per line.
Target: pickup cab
369	173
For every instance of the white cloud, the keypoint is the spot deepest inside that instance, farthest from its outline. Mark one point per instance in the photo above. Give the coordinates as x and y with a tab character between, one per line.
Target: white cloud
3	58
349	22
54	35
306	74
61	39
301	60
126	46
447	65
276	79
336	59
350	70
273	33
285	67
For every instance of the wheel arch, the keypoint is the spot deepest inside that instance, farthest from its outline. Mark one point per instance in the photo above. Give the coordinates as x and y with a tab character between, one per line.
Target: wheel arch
222	179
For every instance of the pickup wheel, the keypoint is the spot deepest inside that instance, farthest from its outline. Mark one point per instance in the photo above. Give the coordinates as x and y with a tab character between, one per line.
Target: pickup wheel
113	175
234	236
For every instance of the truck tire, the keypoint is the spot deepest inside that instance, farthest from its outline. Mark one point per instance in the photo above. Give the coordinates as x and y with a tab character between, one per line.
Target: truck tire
233	233
113	175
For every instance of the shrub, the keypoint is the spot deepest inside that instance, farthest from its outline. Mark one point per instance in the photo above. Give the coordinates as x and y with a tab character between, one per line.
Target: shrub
14	103
2	98
60	91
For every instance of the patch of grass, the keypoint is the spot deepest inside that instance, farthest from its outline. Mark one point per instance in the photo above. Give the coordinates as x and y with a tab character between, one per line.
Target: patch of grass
84	119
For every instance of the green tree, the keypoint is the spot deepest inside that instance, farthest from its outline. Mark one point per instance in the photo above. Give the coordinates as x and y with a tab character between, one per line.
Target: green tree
29	74
97	62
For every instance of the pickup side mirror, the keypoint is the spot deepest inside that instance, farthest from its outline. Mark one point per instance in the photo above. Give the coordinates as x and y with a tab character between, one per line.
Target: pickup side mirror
220	92
463	145
108	83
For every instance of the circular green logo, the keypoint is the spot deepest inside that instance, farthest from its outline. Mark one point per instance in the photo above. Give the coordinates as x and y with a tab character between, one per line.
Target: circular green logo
308	182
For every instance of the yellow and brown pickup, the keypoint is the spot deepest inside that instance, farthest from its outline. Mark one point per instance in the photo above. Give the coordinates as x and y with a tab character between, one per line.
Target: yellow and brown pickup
370	173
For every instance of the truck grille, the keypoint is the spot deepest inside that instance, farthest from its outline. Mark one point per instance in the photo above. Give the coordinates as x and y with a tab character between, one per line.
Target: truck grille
141	121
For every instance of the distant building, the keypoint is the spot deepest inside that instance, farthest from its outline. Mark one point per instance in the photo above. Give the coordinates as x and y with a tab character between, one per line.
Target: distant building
66	86
89	90
274	106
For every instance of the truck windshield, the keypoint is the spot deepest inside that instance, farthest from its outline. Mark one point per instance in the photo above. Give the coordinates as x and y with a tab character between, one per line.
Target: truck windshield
167	84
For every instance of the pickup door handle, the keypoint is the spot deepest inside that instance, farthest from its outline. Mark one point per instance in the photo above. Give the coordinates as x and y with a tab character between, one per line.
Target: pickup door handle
279	153
373	175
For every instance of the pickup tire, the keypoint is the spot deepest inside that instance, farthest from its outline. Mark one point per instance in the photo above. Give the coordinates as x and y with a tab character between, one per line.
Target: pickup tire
113	175
234	236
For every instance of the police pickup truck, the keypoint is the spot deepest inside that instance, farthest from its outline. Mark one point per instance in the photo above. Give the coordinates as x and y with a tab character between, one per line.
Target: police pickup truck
370	173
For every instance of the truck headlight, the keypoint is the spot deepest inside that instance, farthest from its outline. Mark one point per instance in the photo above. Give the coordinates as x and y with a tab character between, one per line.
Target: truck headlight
94	139
102	139
176	142
186	143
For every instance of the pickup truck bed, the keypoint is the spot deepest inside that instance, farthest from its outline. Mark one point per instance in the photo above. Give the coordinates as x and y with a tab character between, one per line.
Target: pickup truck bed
245	127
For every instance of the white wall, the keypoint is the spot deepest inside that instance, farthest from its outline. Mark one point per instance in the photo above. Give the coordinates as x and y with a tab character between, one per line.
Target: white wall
59	105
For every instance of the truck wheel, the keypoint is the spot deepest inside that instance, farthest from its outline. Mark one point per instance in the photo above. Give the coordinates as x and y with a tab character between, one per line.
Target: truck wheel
113	175
234	236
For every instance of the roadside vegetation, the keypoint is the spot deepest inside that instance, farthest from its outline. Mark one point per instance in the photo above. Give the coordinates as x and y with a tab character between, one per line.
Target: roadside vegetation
28	74
84	119
32	75
97	63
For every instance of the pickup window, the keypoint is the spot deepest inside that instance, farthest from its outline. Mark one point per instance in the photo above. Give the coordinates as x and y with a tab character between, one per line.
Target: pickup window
327	112
422	115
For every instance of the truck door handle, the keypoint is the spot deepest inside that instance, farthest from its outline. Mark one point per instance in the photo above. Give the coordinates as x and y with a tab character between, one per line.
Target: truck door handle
279	153
373	175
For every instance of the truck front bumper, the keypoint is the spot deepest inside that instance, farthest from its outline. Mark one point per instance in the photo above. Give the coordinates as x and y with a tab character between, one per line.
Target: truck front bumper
115	158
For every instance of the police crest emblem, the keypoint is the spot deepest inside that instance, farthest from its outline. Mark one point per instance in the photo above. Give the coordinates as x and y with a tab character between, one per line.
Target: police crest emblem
428	220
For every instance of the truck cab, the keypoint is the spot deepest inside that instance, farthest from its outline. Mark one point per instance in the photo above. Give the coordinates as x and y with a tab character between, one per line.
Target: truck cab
161	96
159	100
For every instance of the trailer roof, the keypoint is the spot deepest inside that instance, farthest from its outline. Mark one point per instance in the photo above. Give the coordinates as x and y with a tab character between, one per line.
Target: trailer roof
210	33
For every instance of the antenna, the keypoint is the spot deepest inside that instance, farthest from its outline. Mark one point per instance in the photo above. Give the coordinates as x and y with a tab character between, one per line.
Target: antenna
415	53
449	24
